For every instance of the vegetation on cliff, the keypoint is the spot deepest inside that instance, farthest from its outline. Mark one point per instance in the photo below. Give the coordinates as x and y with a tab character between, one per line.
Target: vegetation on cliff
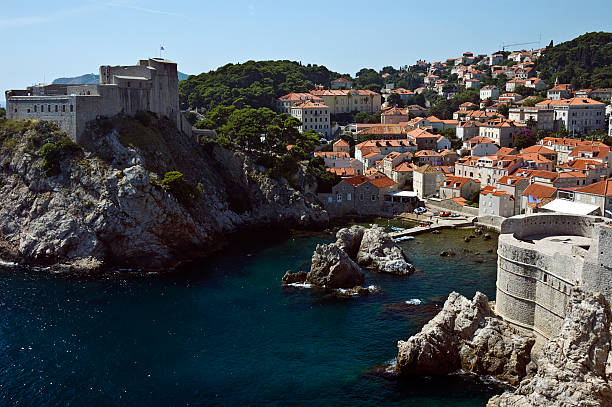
585	62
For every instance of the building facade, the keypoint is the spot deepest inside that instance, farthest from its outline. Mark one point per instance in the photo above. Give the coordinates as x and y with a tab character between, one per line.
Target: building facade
151	85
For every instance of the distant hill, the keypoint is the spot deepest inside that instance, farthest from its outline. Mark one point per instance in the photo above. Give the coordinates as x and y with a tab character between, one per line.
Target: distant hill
253	83
92	79
585	62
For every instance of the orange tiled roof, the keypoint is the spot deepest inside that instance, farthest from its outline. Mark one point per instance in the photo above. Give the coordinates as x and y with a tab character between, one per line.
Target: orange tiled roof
538	149
456	182
331	154
599	188
341	143
538	190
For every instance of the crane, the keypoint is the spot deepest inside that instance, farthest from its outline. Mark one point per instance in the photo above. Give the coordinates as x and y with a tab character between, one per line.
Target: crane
520	43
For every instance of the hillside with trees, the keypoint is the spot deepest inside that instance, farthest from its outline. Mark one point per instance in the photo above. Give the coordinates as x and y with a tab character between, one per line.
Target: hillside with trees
253	83
585	62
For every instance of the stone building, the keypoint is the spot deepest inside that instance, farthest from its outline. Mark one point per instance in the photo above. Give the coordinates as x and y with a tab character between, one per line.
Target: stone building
541	259
455	187
426	181
151	85
314	116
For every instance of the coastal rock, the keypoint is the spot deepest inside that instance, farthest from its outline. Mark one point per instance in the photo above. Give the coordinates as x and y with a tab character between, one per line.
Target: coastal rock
349	240
293	278
465	335
574	368
332	268
357	291
105	206
379	252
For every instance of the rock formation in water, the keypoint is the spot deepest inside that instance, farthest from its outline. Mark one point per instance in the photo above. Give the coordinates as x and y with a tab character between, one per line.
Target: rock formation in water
333	268
466	335
349	240
575	367
103	203
294	278
373	248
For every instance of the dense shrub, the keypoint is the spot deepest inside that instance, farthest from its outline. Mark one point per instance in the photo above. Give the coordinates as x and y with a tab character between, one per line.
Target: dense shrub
54	153
175	183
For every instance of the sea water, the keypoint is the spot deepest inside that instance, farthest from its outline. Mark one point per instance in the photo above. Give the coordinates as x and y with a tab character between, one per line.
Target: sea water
225	333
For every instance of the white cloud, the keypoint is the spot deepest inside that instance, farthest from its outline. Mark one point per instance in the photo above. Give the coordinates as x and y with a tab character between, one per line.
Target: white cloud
23	21
138	8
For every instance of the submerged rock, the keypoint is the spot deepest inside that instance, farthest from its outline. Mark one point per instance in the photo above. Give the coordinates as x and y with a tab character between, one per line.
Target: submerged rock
574	368
380	253
357	291
293	278
333	268
466	335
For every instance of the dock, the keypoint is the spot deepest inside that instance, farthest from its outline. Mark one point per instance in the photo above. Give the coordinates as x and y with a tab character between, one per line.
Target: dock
442	223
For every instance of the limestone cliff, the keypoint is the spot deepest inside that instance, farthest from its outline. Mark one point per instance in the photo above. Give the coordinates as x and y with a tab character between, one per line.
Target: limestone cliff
574	369
466	335
103	204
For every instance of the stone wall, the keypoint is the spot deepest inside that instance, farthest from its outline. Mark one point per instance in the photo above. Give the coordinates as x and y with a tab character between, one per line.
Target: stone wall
534	281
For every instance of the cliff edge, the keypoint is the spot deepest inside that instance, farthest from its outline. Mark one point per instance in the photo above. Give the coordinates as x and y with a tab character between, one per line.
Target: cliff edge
137	194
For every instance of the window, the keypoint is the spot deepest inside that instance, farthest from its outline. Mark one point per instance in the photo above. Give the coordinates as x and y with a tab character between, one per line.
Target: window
361	197
55	108
374	197
338	197
348	196
49	108
71	108
128	84
35	108
63	108
330	199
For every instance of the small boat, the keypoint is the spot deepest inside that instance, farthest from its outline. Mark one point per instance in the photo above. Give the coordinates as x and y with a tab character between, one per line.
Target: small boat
403	238
397	229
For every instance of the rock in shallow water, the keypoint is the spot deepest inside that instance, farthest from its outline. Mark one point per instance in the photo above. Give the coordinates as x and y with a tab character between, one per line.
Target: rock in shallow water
466	334
332	268
378	251
293	278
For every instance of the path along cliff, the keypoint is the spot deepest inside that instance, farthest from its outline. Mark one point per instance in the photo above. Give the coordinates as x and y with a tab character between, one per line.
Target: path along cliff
137	194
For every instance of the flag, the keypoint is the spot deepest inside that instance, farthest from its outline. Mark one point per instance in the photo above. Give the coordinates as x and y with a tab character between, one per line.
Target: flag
162	49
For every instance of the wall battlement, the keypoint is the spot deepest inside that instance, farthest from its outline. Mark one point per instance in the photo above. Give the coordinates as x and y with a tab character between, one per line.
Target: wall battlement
152	85
541	259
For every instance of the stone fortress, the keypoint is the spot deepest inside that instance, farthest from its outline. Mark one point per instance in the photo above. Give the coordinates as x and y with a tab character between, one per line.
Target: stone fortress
541	259
151	85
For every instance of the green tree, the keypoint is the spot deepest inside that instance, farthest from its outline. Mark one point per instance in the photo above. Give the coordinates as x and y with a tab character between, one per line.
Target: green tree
503	110
394	99
2	112
524	139
533	101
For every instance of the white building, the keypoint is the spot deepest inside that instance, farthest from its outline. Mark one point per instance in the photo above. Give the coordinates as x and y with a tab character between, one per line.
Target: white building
489	92
496	202
579	115
314	116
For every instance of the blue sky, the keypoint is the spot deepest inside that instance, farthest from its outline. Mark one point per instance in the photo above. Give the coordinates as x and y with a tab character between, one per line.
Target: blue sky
43	40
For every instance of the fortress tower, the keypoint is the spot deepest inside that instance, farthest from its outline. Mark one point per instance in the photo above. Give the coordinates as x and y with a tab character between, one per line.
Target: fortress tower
151	85
541	259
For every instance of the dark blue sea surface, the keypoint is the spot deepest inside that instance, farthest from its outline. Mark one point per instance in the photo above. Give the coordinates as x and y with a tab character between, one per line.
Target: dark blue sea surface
225	333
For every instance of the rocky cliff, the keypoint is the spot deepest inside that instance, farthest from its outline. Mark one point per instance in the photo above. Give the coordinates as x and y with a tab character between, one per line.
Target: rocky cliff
573	368
105	203
466	335
576	365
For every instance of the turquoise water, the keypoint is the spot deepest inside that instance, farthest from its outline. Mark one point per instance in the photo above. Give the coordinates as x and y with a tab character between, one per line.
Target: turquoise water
226	334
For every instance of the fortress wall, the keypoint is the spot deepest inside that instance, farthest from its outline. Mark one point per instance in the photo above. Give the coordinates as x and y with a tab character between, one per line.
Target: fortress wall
549	224
60	110
597	270
533	287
